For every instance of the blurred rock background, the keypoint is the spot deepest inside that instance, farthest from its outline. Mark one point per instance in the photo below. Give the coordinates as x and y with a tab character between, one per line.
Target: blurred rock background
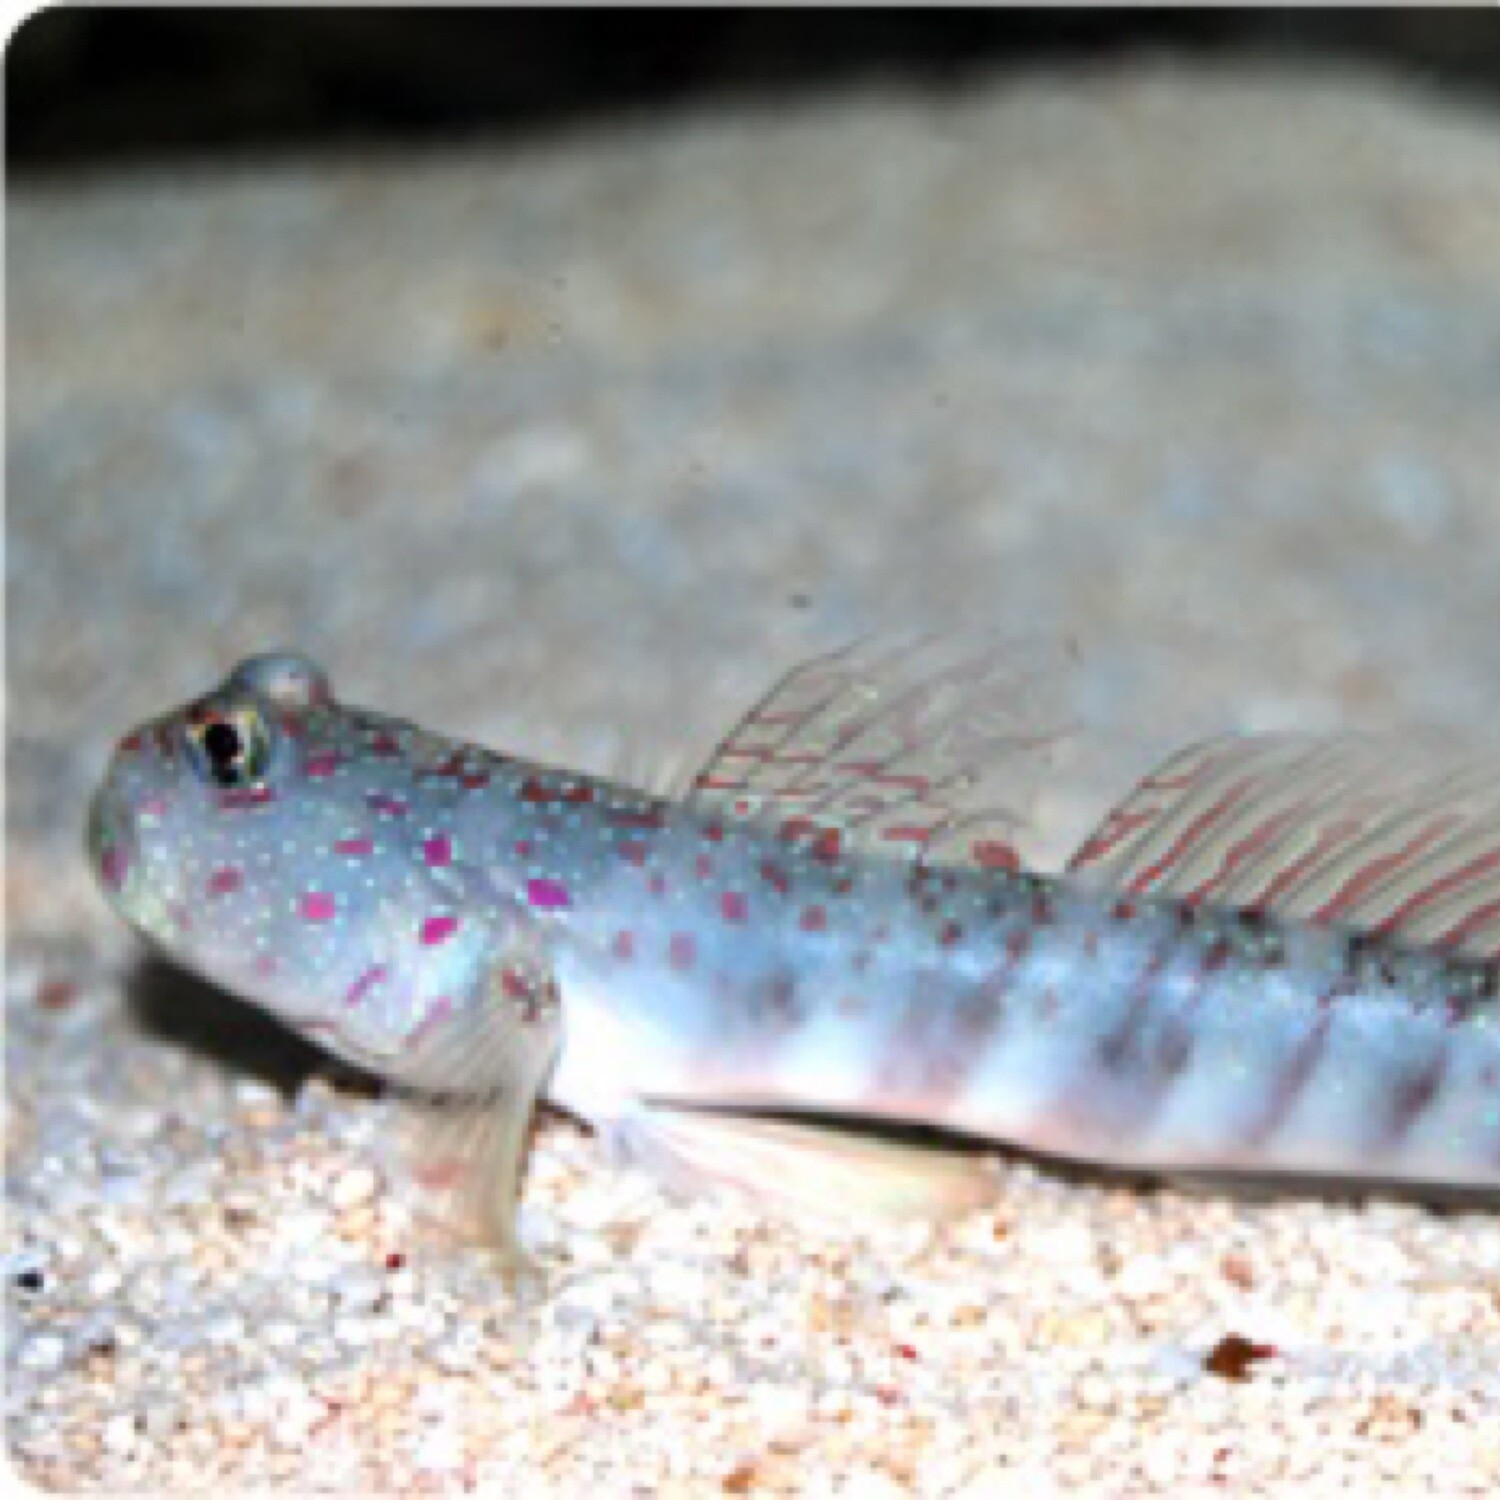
87	85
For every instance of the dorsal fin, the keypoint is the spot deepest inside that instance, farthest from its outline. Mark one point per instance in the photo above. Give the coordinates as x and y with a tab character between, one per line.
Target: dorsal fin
892	743
1395	835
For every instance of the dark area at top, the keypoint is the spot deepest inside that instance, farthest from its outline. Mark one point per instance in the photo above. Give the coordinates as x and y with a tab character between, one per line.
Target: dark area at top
96	86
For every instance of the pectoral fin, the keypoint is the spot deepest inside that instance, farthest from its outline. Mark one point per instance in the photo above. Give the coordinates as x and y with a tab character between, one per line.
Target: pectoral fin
463	1148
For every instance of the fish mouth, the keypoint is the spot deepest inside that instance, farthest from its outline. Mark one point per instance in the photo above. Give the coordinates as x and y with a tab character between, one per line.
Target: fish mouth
112	847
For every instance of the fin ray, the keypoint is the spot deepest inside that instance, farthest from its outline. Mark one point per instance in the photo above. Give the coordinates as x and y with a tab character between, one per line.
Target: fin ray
461	1146
832	1172
1392	834
892	742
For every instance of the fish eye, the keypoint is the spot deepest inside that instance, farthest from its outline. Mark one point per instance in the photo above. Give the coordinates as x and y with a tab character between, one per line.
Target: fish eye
230	748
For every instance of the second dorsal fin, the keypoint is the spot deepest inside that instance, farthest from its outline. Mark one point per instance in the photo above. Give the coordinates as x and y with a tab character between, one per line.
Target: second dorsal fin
1394	835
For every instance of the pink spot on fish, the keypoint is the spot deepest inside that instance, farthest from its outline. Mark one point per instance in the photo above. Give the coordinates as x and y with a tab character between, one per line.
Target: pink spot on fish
629	818
153	807
827	845
437	930
910	833
514	985
734	906
323	765
223	882
361	845
682	950
392	807
814	919
547	894
266	966
473	780
247	796
992	854
114	866
384	746
318	906
624	945
438	851
364	984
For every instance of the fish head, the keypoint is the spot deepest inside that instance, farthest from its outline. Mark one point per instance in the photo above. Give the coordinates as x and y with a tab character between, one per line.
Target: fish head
284	846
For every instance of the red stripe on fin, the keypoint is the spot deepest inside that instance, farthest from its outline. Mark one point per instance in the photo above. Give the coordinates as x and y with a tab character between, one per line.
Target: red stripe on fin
898	742
1392	834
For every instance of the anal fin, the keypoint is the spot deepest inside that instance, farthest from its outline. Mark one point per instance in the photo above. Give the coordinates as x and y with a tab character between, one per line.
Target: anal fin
831	1172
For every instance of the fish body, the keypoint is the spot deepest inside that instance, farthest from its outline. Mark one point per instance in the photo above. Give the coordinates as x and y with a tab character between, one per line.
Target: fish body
816	927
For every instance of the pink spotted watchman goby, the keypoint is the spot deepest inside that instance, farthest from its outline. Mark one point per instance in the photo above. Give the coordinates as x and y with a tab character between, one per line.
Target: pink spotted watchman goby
1278	954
